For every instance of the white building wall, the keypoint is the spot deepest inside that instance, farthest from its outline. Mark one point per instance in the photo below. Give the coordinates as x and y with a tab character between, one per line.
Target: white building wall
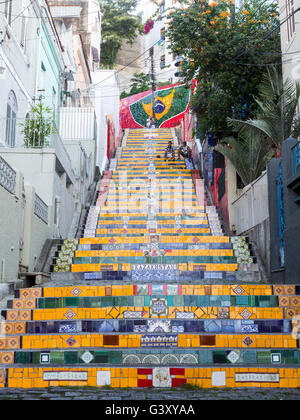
251	208
106	97
10	225
36	230
290	39
151	39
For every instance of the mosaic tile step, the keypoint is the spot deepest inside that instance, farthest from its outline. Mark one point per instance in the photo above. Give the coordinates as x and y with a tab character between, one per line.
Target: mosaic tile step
171	253
153	357
163	289
148	301
146	272
158	324
184	325
91	340
175	313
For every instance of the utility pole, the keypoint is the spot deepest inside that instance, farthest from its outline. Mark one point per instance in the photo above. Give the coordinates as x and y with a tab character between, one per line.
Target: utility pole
153	82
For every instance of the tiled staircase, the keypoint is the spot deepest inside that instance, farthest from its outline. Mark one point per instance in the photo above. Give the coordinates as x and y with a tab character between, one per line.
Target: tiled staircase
151	297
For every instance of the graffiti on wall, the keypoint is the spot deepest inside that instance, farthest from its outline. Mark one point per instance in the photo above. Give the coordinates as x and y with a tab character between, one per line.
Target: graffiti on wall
168	104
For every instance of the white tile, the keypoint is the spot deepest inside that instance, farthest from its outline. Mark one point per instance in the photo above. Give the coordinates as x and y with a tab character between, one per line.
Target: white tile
103	378
218	379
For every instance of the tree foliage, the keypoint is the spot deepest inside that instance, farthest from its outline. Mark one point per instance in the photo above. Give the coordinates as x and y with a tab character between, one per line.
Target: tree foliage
118	25
277	105
248	153
226	51
140	82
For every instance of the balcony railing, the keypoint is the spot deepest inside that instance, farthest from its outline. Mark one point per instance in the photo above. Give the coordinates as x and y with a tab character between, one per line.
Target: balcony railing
77	124
7	176
41	209
296	157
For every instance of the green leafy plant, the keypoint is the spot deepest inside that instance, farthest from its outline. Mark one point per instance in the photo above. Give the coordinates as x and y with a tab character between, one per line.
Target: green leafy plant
226	51
118	25
277	105
248	153
38	128
140	82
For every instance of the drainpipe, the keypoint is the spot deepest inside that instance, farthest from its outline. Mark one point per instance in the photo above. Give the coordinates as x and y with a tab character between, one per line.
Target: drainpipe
3	271
37	67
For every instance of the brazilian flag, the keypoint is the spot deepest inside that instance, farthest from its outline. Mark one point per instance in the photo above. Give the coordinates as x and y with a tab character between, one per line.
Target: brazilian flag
168	103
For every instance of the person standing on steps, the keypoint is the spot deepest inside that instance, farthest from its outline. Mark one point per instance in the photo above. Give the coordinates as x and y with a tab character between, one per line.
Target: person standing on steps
148	124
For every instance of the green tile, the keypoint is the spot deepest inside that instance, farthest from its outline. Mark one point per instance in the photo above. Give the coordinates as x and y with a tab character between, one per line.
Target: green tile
71	357
71	302
264	357
138	301
241	301
41	303
115	357
57	357
178	300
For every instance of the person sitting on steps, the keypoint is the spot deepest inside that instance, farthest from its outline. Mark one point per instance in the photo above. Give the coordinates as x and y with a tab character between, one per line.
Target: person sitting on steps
169	151
185	151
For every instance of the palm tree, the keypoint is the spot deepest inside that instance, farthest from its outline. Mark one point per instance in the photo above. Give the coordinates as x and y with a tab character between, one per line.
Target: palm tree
249	153
277	104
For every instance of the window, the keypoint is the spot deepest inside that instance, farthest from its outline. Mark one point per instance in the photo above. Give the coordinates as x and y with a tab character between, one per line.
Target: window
162	61
8	10
151	52
162	7
290	13
163	34
11	115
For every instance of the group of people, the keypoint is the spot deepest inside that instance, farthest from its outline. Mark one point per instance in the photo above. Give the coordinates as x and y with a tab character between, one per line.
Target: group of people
151	122
184	151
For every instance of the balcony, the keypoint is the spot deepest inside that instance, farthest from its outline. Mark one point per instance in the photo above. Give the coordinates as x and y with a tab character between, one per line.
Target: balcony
27	144
77	124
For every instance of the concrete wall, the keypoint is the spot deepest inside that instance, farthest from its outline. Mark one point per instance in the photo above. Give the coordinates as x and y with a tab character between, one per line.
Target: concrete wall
10	227
36	231
40	169
251	207
284	211
129	53
106	98
24	229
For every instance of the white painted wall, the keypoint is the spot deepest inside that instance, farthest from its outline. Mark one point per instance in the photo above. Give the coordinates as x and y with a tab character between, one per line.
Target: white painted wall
290	45
167	73
10	227
36	231
105	93
251	208
40	167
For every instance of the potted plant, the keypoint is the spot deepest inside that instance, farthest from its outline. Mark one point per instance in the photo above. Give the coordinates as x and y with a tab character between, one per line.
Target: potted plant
38	128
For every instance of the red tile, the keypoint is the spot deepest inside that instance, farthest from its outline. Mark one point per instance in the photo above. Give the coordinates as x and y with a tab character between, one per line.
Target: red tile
134	289
150	290
180	289
144	371
144	383
178	382
165	289
177	371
